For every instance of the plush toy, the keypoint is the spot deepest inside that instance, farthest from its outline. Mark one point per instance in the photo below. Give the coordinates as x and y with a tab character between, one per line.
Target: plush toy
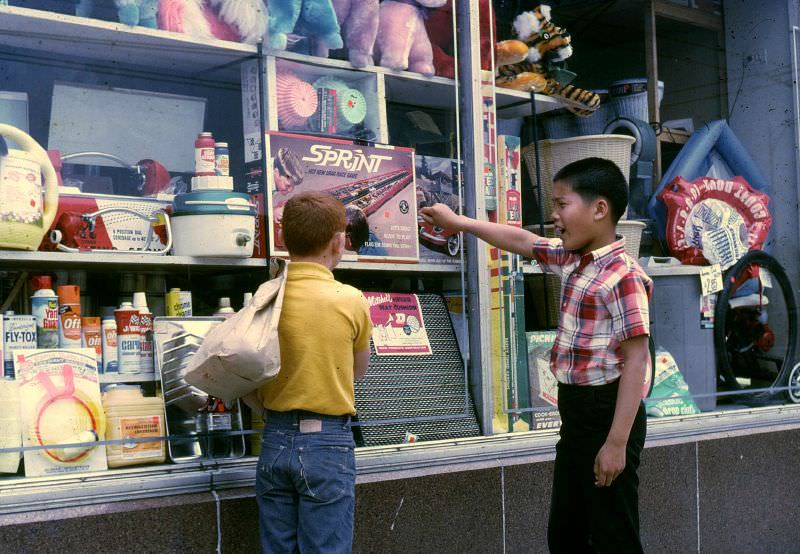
403	41
129	12
235	20
315	19
358	20
439	24
137	12
532	62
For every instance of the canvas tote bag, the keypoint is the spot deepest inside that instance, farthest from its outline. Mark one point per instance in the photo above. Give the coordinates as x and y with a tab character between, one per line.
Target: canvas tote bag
242	353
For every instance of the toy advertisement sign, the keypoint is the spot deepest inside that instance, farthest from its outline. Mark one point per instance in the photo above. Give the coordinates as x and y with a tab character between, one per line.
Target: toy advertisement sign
61	411
375	184
437	181
398	327
543	384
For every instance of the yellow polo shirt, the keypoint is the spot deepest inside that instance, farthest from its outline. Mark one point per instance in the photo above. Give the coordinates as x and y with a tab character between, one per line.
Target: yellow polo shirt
323	322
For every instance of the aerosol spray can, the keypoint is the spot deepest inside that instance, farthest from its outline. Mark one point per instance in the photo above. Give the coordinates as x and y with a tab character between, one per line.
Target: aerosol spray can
44	307
19	333
129	339
108	328
93	338
146	364
69	313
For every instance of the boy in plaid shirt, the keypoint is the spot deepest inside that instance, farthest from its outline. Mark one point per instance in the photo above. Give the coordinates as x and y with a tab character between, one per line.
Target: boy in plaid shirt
600	356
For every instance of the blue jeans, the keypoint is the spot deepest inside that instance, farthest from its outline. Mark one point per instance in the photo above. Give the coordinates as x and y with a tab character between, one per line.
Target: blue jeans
305	484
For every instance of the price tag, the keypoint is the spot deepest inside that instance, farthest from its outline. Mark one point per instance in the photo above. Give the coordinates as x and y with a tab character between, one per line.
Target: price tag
765	277
711	279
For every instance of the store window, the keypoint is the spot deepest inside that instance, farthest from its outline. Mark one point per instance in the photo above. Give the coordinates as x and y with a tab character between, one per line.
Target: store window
173	153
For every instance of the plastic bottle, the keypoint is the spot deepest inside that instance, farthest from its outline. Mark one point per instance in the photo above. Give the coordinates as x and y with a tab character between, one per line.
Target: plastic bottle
248	297
108	327
204	155
224	308
44	307
146	363
69	312
222	161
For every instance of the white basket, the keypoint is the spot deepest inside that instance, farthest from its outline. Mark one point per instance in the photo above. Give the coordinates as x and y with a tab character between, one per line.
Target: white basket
634	105
555	154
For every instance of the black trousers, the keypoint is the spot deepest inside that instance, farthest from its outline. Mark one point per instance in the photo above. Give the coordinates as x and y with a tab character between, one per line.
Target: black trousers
584	517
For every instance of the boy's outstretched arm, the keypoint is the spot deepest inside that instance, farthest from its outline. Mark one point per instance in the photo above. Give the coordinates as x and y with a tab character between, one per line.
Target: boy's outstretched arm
610	460
505	237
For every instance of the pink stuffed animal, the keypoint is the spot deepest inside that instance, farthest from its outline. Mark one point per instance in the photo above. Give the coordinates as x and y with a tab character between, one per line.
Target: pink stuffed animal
236	20
359	22
402	38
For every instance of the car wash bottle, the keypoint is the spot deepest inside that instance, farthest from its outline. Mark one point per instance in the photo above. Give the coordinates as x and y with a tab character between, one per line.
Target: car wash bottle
146	364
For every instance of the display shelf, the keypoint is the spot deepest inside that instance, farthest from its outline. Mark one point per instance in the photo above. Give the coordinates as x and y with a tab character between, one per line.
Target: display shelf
398	267
685	14
129	261
106	378
516	103
406	87
674	136
79	38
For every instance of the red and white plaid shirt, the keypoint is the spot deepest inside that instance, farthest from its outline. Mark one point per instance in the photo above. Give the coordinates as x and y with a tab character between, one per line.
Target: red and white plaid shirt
604	301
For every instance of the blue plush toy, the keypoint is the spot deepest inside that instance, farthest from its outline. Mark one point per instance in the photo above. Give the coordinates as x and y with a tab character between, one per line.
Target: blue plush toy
129	12
311	18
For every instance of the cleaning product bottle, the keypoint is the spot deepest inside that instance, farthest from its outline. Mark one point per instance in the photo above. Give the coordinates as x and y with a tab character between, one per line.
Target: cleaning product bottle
108	327
146	364
224	308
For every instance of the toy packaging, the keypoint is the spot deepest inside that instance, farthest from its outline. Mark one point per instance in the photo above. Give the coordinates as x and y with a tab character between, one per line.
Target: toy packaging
376	185
99	222
437	181
61	411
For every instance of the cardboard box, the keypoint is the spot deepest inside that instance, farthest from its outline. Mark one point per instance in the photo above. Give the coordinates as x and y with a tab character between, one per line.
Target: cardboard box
375	183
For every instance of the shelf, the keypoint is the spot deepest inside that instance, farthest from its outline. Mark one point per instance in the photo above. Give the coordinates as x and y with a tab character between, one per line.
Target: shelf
152	50
106	378
398	267
674	136
406	87
129	261
690	16
515	103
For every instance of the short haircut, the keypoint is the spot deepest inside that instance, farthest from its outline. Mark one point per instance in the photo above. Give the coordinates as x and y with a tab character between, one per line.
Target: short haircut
357	227
594	178
310	220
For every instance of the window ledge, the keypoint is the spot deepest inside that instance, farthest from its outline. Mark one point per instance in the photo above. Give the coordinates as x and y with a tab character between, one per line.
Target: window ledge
374	464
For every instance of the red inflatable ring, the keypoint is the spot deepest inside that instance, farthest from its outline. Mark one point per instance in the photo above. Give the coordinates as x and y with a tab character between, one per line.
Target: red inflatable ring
706	205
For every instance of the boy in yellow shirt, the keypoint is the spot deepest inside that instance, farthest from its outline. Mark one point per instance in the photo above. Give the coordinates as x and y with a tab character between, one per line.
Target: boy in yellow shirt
305	483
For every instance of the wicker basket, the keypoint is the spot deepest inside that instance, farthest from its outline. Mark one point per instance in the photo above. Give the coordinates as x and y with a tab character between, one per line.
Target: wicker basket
630	229
561	126
555	154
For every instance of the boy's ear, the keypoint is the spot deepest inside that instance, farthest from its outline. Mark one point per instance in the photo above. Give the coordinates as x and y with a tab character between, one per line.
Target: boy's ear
338	243
601	209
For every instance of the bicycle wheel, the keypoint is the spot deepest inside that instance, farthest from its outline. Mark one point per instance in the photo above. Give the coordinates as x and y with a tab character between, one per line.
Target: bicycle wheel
734	353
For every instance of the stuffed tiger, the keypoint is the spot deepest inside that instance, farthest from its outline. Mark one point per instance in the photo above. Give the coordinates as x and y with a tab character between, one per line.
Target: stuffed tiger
523	64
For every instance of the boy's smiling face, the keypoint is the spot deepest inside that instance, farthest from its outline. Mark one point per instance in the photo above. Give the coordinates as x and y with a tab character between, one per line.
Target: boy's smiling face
576	220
